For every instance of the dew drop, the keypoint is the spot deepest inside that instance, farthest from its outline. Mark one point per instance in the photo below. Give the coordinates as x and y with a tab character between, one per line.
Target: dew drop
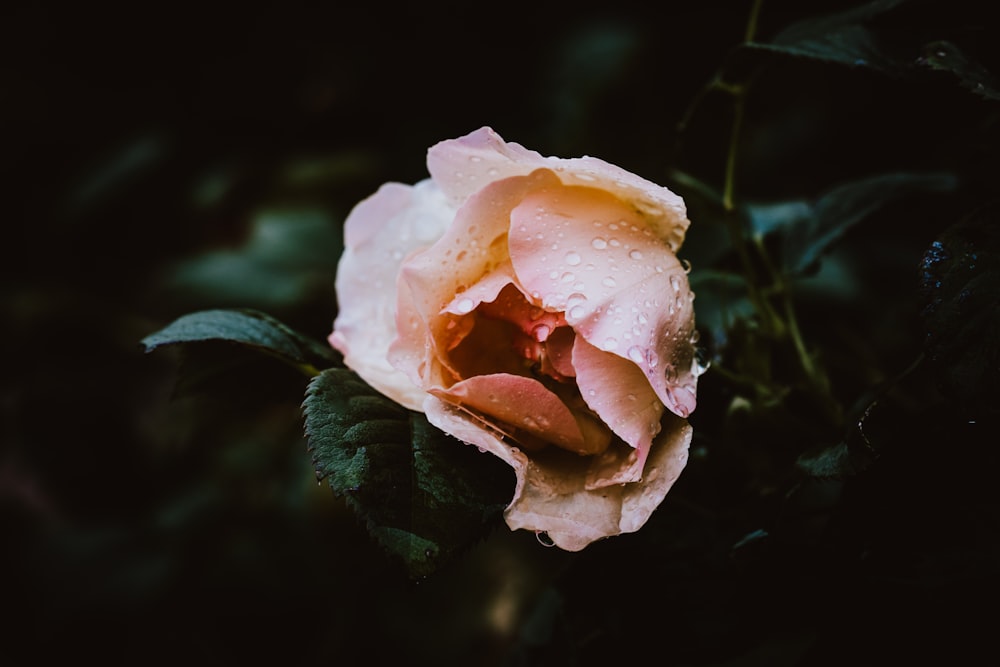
577	312
568	277
635	254
614	243
572	258
635	354
544	539
675	283
670	373
541	332
599	243
465	305
652	359
609	282
610	343
686	266
492	171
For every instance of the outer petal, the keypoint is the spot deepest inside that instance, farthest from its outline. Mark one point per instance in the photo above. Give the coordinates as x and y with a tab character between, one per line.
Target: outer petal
473	248
464	165
550	494
378	234
584	251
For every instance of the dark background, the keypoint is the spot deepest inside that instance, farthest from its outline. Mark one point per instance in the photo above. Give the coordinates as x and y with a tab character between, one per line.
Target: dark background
161	160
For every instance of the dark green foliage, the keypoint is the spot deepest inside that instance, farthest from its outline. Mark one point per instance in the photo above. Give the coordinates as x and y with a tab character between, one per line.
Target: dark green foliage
845	38
422	494
808	229
249	328
944	56
960	284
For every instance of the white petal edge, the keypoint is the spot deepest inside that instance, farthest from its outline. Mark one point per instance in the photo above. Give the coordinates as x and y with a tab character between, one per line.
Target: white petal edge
379	233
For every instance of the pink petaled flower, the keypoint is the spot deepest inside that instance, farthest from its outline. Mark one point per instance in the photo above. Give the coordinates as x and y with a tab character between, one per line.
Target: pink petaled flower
534	307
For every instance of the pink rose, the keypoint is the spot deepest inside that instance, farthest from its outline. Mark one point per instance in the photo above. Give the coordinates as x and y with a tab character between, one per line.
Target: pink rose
534	307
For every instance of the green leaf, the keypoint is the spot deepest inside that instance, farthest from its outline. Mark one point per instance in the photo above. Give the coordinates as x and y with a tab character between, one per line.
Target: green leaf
960	284
247	328
423	495
808	229
844	38
945	56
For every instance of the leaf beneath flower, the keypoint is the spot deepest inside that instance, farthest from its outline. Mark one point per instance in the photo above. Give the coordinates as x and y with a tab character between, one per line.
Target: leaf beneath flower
248	328
424	496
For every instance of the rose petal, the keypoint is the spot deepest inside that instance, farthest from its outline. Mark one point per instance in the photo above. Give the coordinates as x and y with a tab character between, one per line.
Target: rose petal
584	251
412	217
462	166
618	392
473	249
522	403
550	496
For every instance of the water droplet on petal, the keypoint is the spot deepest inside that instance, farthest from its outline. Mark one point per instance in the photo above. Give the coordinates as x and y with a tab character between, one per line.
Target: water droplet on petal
609	282
635	254
577	312
465	305
599	243
544	539
670	373
568	277
686	265
675	283
635	353
541	332
610	343
572	258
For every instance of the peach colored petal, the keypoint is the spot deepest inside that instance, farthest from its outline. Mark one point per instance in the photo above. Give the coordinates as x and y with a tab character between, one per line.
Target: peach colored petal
473	248
584	251
378	234
521	405
616	389
550	494
464	165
